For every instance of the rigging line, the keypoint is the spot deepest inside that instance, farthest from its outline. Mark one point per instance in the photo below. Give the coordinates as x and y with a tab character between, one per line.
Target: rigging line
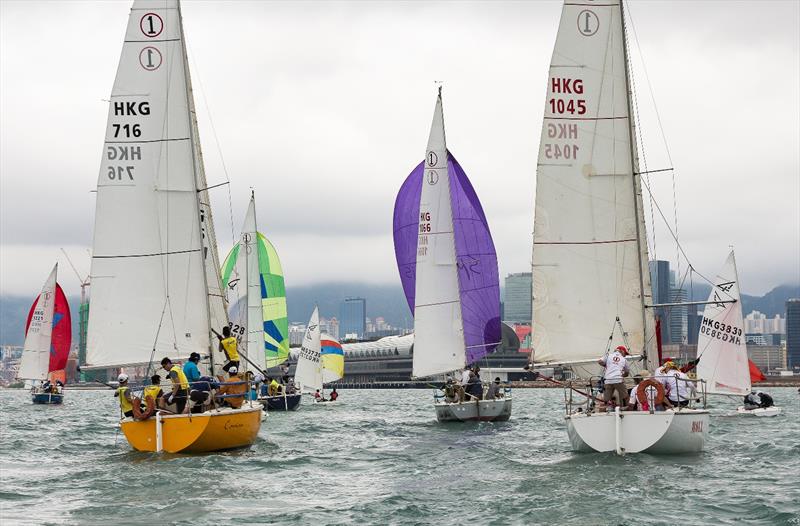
216	141
663	136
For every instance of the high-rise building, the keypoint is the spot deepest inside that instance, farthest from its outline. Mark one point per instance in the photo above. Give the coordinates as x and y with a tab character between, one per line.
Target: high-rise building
678	314
692	324
793	333
660	284
353	318
519	296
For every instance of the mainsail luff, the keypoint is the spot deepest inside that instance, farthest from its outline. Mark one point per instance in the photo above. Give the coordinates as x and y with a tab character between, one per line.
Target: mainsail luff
721	348
589	259
35	361
255	310
149	263
438	325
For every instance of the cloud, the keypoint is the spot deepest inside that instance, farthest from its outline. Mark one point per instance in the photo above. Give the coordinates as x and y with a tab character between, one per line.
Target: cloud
324	107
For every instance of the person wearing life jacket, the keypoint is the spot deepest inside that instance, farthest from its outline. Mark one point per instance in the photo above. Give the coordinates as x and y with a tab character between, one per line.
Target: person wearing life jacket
616	369
274	388
679	388
229	346
334	395
757	399
154	390
124	395
200	392
234	385
180	385
450	390
318	397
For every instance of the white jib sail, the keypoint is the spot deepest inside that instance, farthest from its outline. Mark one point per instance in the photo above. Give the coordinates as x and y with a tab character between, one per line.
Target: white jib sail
590	253
721	343
256	351
309	369
438	328
152	241
35	362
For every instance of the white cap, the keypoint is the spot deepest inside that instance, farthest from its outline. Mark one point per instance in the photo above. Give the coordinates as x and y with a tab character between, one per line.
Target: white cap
122	377
233	370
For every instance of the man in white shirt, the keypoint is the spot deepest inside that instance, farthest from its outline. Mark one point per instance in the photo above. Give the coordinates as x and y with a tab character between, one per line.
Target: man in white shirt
680	389
616	369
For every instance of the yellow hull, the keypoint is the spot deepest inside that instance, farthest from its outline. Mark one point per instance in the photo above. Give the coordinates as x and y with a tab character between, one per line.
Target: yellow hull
214	430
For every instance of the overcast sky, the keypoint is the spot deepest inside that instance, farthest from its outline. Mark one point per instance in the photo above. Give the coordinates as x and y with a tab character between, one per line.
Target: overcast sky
324	108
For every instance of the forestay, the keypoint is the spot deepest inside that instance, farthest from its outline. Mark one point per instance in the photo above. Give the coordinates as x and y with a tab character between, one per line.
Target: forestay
590	253
35	361
721	343
309	369
155	281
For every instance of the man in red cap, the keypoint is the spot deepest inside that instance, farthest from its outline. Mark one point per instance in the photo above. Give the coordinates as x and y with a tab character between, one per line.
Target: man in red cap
616	369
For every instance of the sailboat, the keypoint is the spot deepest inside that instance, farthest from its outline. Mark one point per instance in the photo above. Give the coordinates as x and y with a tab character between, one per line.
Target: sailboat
721	350
590	260
48	336
252	277
155	271
320	361
448	267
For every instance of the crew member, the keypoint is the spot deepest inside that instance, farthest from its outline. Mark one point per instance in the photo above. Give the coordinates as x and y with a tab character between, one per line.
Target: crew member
125	397
318	397
180	385
450	391
274	388
229	346
234	386
615	372
680	388
757	399
494	390
190	368
154	391
334	395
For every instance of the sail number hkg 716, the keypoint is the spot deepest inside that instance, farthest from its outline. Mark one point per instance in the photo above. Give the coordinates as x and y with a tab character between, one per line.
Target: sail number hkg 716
119	154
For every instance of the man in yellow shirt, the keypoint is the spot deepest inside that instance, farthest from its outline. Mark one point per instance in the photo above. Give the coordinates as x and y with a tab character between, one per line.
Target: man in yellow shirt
125	397
180	385
229	345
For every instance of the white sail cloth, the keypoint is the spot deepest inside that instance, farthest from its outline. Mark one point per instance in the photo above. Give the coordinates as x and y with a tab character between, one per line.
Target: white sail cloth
155	284
309	368
590	250
721	343
35	361
438	327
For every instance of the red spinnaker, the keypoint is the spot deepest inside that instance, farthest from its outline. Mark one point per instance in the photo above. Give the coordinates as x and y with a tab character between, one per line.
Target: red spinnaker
62	330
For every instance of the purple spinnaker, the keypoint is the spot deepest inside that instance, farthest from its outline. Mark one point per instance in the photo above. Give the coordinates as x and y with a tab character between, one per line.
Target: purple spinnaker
406	229
478	278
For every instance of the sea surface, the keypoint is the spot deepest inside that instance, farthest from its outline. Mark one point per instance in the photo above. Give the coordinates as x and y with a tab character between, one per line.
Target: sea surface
380	457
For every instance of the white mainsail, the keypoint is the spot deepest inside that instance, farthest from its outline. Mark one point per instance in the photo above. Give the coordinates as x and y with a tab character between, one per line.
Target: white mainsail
309	369
721	343
438	327
590	250
35	361
155	284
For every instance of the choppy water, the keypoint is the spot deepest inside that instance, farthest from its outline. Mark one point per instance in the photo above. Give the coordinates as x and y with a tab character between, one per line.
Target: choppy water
381	458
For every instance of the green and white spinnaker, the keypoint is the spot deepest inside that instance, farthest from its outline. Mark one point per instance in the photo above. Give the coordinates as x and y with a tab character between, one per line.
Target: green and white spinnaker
252	278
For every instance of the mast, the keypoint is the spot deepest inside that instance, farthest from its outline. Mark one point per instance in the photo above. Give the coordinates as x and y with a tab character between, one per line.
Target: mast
205	221
637	195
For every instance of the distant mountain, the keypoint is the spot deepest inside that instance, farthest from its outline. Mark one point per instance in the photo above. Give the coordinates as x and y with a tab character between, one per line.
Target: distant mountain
382	300
14	312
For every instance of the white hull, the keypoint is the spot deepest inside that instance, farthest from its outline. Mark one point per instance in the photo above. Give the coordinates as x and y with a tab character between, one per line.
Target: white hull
683	431
761	411
497	410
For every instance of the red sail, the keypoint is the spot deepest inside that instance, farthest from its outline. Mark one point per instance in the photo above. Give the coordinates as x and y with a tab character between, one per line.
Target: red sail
62	330
755	373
